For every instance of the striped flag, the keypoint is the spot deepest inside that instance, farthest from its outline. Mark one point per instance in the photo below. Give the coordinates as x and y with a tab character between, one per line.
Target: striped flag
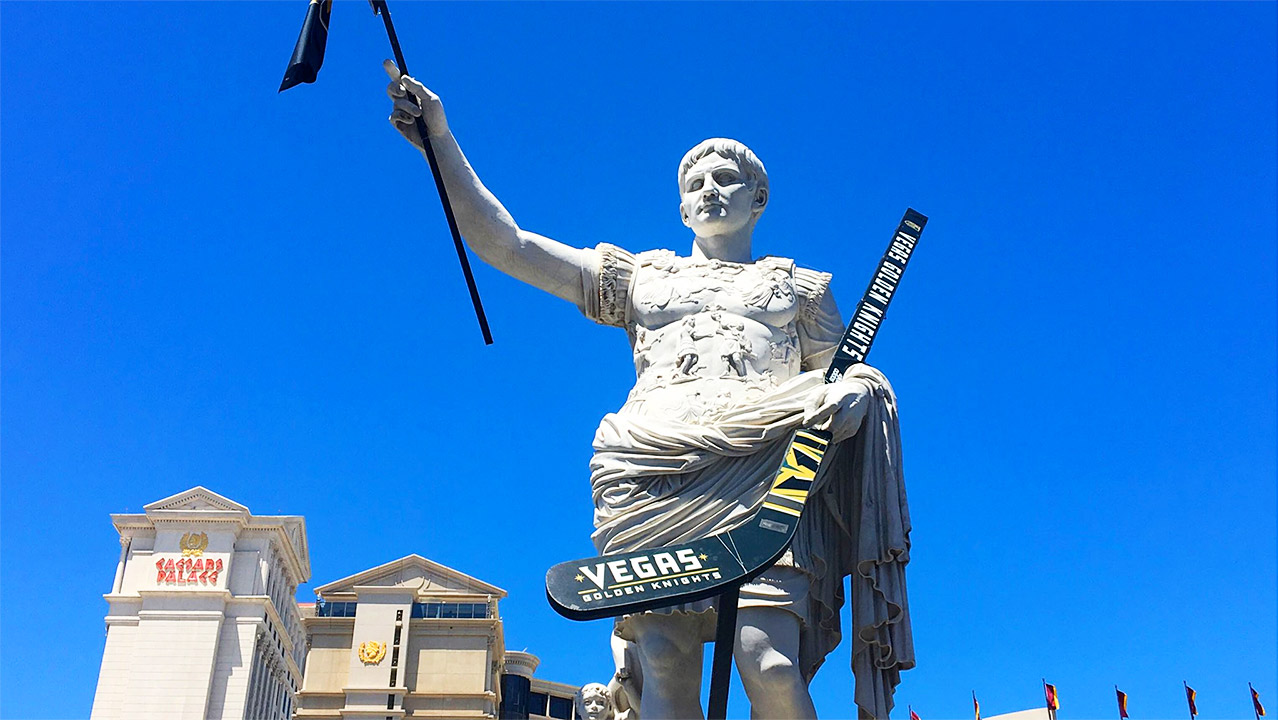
1255	702
1191	697
1053	701
913	715
1122	703
976	707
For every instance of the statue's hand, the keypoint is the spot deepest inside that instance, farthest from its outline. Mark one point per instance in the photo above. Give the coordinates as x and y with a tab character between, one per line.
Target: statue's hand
839	408
405	112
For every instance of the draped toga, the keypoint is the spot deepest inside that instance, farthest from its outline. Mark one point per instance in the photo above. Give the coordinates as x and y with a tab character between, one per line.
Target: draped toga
727	357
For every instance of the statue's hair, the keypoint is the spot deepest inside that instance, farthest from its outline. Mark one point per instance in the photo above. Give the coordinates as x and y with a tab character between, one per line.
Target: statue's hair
591	689
745	158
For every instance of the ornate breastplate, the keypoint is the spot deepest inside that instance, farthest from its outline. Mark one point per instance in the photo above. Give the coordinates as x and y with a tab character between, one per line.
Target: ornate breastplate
668	288
707	330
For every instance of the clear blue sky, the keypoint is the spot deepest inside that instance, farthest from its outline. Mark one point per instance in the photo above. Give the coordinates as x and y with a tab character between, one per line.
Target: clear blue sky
205	282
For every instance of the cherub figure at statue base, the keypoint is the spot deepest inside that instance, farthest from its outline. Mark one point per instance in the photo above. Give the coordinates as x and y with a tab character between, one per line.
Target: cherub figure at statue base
594	702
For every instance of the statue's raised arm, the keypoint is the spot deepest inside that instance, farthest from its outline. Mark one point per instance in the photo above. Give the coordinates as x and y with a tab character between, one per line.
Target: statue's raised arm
488	227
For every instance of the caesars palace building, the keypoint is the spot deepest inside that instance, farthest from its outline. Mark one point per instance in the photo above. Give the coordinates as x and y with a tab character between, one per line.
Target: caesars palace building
202	624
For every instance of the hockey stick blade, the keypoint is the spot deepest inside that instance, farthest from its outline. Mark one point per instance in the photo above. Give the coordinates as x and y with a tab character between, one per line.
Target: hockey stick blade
630	582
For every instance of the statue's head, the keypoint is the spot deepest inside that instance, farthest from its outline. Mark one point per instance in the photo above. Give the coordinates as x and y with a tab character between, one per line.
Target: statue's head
723	187
594	702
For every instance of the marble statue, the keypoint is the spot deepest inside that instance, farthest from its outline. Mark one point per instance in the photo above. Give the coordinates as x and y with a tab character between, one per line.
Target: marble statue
728	353
594	702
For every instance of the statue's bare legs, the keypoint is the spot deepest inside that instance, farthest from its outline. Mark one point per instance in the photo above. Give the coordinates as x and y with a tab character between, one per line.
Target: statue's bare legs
767	654
670	656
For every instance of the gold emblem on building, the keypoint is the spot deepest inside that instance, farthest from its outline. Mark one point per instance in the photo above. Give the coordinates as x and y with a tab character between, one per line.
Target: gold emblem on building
371	652
194	544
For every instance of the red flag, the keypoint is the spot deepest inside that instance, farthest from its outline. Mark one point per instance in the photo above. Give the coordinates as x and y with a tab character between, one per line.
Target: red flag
913	715
1191	696
1053	702
976	707
1255	702
1122	703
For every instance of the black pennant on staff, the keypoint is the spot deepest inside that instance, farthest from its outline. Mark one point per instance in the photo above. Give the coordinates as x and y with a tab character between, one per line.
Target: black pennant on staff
308	54
304	67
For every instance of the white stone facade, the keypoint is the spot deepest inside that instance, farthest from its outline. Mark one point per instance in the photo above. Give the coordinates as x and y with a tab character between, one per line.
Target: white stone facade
415	639
201	621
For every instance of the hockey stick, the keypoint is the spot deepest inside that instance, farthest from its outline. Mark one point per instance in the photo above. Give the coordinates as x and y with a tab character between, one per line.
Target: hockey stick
613	585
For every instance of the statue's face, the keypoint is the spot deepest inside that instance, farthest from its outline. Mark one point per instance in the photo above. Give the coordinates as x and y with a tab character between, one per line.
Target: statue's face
717	199
596	707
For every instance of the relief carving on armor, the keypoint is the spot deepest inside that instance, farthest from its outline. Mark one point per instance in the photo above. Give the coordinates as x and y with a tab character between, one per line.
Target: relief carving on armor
643	346
686	355
776	286
737	350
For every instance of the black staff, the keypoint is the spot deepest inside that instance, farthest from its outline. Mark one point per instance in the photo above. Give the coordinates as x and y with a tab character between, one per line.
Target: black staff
304	66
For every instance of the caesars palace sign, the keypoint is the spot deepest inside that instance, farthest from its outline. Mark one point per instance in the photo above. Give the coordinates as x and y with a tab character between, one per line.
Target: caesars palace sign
192	568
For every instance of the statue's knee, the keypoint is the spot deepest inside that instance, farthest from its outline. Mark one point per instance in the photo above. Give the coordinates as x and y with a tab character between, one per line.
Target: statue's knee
669	655
665	662
768	670
778	669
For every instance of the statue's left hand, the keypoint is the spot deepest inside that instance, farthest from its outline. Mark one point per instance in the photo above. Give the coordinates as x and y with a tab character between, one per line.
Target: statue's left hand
839	408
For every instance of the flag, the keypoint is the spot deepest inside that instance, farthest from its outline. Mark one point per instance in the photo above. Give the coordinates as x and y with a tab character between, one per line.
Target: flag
308	54
913	715
976	707
1191	696
1255	702
1122	703
1053	702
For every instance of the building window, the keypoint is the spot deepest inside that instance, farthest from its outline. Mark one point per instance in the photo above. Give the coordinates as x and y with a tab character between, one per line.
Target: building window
450	610
536	703
336	609
514	697
560	707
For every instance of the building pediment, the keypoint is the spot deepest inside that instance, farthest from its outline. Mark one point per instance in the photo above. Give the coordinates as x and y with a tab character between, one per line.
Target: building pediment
196	499
416	572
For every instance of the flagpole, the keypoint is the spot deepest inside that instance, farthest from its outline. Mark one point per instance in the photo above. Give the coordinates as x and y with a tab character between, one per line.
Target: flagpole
1051	714
379	8
1191	707
1120	706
